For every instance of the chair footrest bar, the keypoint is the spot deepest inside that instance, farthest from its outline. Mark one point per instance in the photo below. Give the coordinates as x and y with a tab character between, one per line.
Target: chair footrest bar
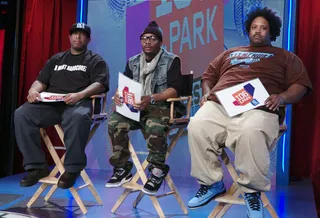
83	186
166	194
229	199
59	148
49	180
133	186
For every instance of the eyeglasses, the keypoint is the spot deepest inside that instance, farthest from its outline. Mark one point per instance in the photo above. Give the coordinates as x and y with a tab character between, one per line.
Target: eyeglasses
151	38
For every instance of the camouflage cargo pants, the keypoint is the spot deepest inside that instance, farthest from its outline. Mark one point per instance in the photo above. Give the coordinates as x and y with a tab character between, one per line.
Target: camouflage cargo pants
154	124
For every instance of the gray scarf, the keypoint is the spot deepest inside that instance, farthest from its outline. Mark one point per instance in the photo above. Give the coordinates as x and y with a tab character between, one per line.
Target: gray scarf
147	72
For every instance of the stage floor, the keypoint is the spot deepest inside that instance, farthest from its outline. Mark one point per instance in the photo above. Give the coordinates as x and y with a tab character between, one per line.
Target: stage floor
297	200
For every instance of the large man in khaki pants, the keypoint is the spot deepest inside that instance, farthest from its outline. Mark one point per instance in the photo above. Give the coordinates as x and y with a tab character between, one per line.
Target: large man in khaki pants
249	134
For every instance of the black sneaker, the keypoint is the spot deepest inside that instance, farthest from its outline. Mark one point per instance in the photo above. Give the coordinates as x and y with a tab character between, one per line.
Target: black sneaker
33	177
155	180
120	176
67	180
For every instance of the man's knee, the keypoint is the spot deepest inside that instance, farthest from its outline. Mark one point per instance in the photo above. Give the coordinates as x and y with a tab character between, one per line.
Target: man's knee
115	125
250	136
250	132
80	118
19	114
156	127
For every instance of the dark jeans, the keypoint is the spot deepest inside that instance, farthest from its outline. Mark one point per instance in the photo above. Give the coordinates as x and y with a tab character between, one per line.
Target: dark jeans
75	121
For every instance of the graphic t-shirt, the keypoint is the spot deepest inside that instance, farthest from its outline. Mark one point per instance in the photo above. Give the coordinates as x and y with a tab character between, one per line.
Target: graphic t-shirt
68	73
277	69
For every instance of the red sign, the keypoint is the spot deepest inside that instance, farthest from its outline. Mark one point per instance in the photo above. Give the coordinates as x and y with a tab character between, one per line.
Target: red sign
242	97
128	97
191	29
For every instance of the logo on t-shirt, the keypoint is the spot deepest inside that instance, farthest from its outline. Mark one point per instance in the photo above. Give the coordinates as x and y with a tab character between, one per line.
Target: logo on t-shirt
129	99
245	96
70	68
246	58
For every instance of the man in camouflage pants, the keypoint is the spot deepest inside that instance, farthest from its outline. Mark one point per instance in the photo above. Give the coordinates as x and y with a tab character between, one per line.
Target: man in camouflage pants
159	72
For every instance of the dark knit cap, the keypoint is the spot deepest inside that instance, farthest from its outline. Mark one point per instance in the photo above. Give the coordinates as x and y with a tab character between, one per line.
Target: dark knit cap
154	29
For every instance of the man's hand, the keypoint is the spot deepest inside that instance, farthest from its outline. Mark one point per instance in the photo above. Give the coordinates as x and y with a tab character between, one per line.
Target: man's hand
118	100
145	101
33	96
204	99
72	98
274	101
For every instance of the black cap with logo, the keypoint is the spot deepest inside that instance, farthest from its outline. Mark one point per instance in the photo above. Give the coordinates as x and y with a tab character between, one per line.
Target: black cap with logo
82	27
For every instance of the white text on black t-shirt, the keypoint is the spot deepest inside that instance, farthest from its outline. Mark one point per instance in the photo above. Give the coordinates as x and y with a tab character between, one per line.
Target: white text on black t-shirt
70	68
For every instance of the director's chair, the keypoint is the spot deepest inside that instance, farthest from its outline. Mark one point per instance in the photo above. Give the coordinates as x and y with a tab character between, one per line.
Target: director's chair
232	195
176	124
98	116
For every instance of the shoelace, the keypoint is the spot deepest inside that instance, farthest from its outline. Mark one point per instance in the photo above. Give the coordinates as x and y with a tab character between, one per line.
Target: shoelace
253	200
118	172
202	191
155	179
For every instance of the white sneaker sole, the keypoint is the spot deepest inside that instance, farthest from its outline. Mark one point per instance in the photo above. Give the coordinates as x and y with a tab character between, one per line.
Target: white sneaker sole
148	192
110	185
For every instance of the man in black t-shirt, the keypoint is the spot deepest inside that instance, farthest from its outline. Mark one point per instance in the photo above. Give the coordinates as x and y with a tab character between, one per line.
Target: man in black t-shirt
159	72
78	73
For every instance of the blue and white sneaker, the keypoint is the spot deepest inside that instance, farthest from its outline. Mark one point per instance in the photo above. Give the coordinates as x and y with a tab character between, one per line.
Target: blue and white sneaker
254	205
206	193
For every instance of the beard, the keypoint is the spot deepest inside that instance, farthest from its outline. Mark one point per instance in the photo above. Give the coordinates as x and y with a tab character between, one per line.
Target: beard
259	42
79	48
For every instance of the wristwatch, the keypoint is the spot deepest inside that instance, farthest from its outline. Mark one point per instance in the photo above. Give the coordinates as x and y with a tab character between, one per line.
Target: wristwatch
152	101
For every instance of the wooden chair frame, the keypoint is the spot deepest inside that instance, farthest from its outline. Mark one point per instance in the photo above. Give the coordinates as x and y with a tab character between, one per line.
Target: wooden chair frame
133	186
232	195
52	179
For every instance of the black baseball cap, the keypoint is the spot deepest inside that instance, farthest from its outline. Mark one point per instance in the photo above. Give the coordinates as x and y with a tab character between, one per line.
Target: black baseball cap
82	27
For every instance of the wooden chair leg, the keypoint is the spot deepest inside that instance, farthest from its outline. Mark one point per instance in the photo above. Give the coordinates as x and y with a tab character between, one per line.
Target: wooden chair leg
176	194
127	191
91	187
157	206
266	203
60	168
138	199
53	172
141	194
143	178
220	210
231	197
78	200
141	174
222	207
37	194
120	200
52	151
50	193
